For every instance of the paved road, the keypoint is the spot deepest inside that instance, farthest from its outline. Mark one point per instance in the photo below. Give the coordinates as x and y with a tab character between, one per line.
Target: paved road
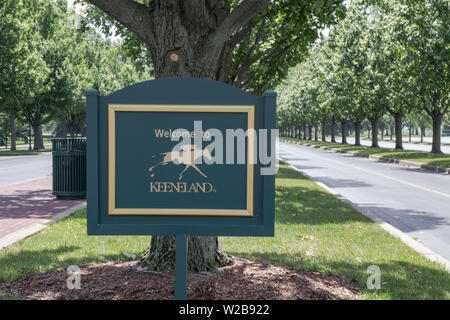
414	201
17	169
388	144
444	139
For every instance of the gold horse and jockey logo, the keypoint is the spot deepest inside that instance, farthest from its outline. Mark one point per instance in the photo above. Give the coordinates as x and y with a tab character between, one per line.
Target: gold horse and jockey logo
187	155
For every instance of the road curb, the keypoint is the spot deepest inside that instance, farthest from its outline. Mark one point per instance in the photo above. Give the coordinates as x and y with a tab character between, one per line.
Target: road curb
410	242
29	231
402	163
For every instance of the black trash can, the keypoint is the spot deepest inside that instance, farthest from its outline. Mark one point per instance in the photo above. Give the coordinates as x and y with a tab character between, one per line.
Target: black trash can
69	168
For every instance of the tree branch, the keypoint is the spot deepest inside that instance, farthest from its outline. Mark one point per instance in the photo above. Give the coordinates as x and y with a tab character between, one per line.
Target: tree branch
133	15
237	19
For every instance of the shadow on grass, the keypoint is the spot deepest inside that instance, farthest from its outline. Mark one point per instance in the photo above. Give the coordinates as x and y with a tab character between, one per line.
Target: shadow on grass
310	205
399	279
52	249
17	264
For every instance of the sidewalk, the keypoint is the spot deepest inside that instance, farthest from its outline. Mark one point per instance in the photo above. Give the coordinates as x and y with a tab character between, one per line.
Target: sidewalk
25	205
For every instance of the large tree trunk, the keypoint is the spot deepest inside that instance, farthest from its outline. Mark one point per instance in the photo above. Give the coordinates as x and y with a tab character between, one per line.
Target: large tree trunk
398	117
203	254
13	132
344	131
305	132
357	133
374	123
437	123
316	132
38	140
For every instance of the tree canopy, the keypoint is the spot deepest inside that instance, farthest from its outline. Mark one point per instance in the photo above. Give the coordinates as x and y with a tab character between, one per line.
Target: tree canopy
47	65
365	68
250	44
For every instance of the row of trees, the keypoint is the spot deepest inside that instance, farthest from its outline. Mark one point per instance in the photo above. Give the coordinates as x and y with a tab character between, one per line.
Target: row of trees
48	63
415	124
385	57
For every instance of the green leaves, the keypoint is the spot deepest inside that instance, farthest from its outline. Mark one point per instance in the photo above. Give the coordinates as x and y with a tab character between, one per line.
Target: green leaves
47	66
361	71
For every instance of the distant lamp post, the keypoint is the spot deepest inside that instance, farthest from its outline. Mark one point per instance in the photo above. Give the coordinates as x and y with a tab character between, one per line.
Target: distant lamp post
29	137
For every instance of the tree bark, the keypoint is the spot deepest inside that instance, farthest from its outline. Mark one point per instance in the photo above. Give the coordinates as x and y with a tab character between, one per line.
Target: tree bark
344	131
374	123
333	130
305	132
357	133
422	133
398	117
324	135
13	132
437	123
38	140
316	132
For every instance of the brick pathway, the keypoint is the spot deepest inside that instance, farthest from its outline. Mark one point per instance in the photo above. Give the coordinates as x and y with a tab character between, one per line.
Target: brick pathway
24	204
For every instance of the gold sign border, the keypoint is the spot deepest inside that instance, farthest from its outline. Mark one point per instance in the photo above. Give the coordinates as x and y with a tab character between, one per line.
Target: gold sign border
113	108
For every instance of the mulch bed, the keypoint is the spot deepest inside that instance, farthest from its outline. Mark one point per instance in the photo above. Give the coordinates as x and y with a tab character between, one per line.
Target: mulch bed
243	280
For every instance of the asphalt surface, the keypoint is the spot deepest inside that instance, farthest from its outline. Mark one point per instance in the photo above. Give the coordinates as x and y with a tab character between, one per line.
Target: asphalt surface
412	200
15	169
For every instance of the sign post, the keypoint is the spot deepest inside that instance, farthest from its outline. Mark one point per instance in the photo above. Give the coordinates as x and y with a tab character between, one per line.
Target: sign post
181	156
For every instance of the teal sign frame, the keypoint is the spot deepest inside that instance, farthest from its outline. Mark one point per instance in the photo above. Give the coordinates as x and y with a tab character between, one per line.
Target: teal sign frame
130	139
127	140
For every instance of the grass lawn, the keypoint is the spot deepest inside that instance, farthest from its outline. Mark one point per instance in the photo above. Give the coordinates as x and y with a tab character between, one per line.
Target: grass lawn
439	160
314	231
10	153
